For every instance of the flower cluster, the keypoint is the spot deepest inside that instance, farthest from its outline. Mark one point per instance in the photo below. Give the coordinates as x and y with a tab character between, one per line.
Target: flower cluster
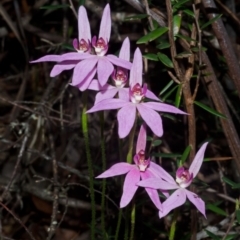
92	68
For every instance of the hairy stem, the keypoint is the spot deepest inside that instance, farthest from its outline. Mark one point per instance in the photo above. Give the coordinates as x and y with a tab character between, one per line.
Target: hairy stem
89	163
173	224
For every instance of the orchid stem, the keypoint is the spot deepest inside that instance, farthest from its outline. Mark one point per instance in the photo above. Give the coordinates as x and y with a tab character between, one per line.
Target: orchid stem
131	138
104	180
129	160
89	163
133	215
173	224
118	224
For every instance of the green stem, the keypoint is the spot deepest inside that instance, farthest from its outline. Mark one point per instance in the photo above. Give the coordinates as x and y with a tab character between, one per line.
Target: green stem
104	180
173	224
118	224
131	138
133	217
89	163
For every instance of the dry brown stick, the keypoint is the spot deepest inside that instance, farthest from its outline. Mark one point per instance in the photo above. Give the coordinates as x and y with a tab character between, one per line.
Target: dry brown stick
225	44
21	152
18	220
220	105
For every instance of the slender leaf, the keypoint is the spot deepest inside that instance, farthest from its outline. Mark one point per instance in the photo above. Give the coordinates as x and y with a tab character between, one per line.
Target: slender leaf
157	142
196	49
165	60
238	216
211	21
216	209
208	109
212	235
152	35
231	183
185	154
163	45
169	93
151	56
136	17
189	12
177	20
185	38
179	4
166	87
178	96
231	236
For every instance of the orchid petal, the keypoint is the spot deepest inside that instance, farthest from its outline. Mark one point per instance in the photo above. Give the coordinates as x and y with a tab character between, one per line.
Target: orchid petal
59	67
163	107
157	183
196	201
108	94
153	193
177	199
152	119
117	169
85	83
104	70
129	187
197	161
159	172
82	70
142	139
105	26
118	61
125	50
94	85
123	93
137	68
84	31
107	104
64	57
126	117
151	95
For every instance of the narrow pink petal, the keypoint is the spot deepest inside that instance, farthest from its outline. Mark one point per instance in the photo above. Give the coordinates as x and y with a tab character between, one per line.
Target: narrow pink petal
64	57
108	94
152	119
142	139
137	68
108	104
117	169
125	50
123	93
104	70
157	183
84	31
59	67
94	85
88	79
105	27
163	107
197	161
197	201
177	199
82	70
153	193
119	62
130	187
151	95
126	117
159	172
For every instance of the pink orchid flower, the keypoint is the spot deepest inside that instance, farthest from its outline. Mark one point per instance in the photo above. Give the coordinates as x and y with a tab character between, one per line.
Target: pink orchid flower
142	169
86	65
133	100
184	178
